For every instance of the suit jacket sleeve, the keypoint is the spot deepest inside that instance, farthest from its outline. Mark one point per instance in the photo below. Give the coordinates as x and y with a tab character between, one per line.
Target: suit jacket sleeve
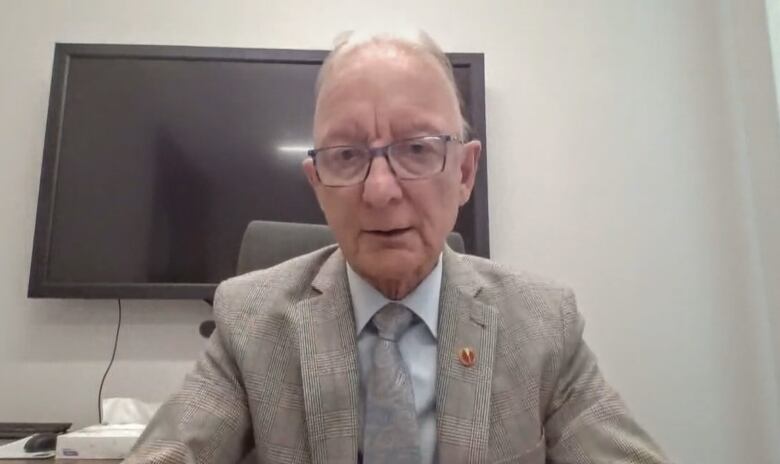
207	421
587	421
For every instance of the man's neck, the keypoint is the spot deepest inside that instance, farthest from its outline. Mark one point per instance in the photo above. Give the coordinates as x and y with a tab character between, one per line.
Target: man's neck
396	289
399	288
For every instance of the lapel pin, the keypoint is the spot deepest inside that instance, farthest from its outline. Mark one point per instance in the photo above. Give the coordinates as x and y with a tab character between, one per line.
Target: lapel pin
467	357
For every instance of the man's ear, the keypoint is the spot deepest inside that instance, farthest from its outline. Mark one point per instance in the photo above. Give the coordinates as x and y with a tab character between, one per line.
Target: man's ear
468	169
311	175
311	172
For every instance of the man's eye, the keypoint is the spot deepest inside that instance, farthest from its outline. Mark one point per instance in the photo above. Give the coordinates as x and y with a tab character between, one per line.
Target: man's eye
346	154
417	148
420	148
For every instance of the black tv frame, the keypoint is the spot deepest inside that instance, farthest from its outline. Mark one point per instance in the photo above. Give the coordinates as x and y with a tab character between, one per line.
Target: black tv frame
39	287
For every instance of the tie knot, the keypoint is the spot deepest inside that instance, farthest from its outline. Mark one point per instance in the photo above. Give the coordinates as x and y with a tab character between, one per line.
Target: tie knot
392	320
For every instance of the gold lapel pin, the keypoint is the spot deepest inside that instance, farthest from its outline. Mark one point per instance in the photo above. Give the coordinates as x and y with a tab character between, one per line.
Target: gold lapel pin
467	357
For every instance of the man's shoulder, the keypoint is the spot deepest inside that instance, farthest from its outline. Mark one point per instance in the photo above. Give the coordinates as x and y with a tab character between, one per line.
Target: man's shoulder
517	292
492	276
289	280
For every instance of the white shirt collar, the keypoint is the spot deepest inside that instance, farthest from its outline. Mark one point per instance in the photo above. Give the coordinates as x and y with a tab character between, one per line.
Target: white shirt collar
423	301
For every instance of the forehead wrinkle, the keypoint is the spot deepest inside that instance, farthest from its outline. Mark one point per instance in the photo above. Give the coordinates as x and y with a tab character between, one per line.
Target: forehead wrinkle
339	134
348	124
377	129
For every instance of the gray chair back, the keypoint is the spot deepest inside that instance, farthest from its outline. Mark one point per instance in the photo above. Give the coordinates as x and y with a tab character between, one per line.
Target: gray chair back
268	243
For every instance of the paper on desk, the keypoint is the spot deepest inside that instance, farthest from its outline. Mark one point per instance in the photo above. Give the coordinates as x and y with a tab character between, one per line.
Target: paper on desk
120	411
15	450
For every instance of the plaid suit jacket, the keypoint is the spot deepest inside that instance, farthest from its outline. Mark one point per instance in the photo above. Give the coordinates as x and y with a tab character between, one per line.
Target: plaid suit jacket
280	375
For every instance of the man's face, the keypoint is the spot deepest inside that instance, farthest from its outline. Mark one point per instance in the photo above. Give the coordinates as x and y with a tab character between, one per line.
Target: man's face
390	229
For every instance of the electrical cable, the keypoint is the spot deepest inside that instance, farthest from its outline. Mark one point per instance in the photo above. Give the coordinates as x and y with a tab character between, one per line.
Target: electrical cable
110	363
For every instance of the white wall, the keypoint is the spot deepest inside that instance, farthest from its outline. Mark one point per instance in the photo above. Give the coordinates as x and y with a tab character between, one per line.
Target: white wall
765	169
619	163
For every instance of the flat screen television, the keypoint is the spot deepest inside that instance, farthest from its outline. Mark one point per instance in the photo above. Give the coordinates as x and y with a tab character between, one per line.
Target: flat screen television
157	157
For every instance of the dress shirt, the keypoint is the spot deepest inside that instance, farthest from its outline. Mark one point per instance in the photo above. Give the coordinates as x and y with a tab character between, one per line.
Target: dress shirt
417	345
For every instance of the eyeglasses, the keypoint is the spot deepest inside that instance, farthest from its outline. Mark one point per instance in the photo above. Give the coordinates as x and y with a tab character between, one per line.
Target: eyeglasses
409	159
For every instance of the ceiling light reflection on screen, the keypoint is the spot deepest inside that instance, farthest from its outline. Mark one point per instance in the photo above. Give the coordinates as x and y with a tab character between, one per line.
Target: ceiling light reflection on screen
293	149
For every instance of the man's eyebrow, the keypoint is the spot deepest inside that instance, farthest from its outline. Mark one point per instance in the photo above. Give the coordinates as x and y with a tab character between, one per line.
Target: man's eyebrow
342	135
353	134
417	127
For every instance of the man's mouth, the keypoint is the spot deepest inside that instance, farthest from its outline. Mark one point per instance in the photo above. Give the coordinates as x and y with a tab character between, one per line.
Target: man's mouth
389	232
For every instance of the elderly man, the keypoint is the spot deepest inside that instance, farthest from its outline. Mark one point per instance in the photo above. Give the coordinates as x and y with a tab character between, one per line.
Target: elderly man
390	347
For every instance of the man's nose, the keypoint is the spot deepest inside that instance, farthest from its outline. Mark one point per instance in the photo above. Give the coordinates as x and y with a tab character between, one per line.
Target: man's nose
381	186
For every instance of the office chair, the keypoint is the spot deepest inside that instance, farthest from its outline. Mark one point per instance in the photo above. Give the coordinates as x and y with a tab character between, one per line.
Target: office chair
267	243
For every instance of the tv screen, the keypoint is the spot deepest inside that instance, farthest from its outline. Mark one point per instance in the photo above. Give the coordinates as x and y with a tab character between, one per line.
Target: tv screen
157	157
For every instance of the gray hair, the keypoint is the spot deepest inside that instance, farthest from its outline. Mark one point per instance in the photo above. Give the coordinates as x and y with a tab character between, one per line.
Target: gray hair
418	41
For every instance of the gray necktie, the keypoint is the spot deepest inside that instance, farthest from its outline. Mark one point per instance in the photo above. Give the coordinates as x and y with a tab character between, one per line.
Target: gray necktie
391	433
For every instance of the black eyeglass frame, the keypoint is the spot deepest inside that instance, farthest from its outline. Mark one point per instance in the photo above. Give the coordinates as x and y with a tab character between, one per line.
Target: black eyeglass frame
383	151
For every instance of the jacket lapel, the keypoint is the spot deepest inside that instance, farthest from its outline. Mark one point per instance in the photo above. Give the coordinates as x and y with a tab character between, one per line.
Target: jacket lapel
328	350
462	391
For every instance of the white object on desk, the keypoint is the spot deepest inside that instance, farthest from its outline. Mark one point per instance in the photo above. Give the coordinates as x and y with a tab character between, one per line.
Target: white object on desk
99	442
15	450
128	411
124	419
